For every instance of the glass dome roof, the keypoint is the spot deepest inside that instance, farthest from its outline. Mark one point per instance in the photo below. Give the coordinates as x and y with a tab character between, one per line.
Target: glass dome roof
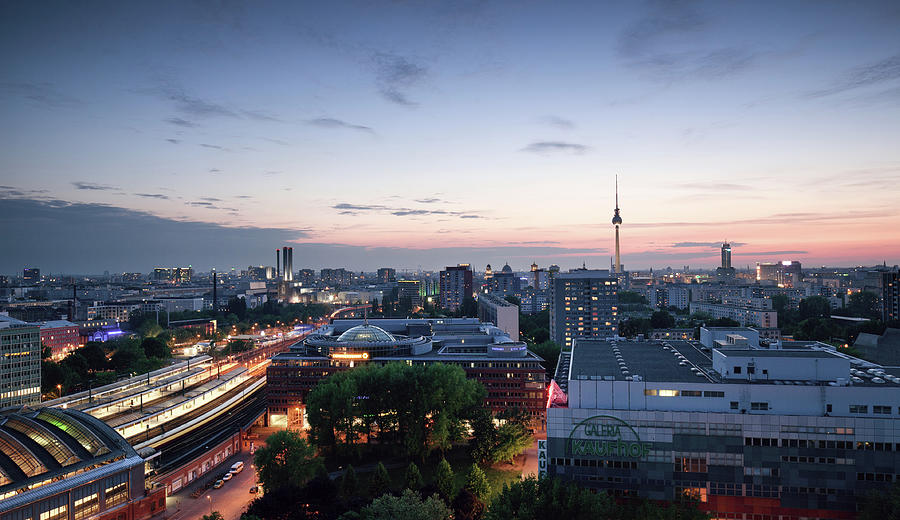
366	333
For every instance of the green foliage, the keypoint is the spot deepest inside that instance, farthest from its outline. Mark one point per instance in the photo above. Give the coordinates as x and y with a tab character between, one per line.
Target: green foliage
468	308
95	355
863	304
51	375
215	515
662	320
285	460
408	506
419	408
413	477
467	506
491	444
723	322
379	482
533	327
443	479
634	326
477	483
882	504
512	439
814	307
349	483
513	300
549	350
631	297
156	348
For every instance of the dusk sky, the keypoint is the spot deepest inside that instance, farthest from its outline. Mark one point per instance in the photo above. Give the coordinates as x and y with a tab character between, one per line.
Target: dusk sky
409	134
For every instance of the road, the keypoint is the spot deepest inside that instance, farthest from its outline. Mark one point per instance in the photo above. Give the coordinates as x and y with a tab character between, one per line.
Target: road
231	499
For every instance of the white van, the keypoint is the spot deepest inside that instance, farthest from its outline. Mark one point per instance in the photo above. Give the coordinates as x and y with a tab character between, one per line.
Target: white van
237	467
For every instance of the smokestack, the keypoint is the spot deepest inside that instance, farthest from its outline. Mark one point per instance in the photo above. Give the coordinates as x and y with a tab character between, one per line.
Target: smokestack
284	263
215	295
277	263
291	271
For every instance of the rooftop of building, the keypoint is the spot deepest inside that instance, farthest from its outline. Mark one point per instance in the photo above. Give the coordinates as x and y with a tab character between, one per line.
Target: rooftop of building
682	361
496	300
585	273
365	332
38	446
53	324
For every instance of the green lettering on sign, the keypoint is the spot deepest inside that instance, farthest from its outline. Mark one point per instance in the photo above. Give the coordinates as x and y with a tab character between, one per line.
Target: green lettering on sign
603	437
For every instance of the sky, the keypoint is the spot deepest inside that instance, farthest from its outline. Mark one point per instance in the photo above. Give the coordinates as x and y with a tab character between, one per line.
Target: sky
419	134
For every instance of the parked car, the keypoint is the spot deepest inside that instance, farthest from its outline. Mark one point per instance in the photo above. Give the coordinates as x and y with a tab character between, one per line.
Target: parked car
227	476
219	483
254	489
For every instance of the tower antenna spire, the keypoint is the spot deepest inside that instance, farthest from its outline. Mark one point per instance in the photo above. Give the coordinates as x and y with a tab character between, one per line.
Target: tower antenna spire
617	192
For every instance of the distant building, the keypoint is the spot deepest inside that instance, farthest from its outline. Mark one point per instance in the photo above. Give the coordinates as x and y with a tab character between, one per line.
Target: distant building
409	294
456	286
890	296
339	277
744	315
306	277
132	277
787	273
505	283
20	364
173	274
884	349
583	304
725	272
61	464
533	300
386	275
60	336
505	315
261	273
31	275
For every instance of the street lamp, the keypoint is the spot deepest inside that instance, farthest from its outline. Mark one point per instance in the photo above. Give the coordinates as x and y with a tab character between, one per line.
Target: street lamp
58	390
210	504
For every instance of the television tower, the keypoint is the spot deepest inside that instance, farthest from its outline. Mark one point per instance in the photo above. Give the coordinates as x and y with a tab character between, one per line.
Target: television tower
617	220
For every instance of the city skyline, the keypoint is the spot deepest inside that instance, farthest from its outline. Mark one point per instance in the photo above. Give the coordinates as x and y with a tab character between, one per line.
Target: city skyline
416	135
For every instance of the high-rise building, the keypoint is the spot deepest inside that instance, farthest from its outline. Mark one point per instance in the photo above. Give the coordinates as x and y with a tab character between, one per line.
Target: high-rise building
339	277
20	363
387	275
890	296
726	255
583	304
306	277
173	274
787	273
259	273
409	294
505	315
505	283
456	286
31	275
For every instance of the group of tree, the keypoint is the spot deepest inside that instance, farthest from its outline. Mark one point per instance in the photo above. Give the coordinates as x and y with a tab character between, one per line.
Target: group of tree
535	328
662	319
811	319
97	364
415	408
493	444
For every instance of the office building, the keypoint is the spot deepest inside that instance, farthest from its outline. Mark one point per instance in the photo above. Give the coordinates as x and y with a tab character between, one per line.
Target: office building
583	303
511	374
456	286
505	283
62	464
306	277
386	275
336	277
890	296
799	433
20	363
409	294
173	274
260	273
726	255
60	336
745	315
787	273
505	315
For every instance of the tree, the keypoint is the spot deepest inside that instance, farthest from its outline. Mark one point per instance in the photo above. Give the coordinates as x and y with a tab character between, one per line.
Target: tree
882	504
513	300
414	477
408	506
443	479
814	307
549	351
467	506
631	297
95	355
285	460
863	304
662	320
477	483
215	515
379	482
155	347
51	375
723	322
349	483
468	308
549	498
512	439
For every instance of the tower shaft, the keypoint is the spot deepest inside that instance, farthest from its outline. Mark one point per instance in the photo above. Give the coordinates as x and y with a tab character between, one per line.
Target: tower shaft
618	259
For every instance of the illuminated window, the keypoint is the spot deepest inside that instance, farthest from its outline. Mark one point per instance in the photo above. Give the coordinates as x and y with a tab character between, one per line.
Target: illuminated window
669	393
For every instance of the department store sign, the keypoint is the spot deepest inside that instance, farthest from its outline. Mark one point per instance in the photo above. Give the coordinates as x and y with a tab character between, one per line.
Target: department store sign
606	436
